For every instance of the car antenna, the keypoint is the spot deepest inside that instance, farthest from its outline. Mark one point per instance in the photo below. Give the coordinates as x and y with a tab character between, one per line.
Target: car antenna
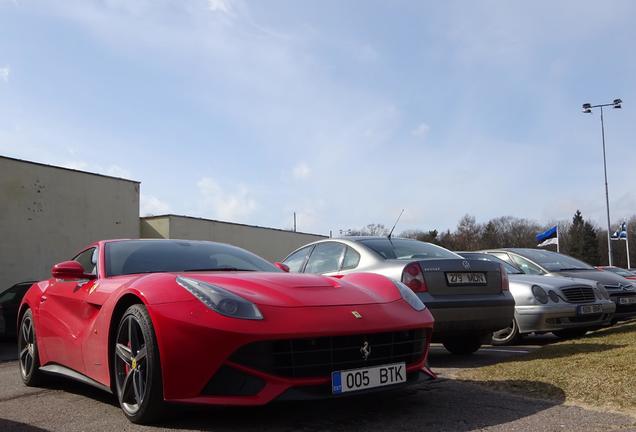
394	225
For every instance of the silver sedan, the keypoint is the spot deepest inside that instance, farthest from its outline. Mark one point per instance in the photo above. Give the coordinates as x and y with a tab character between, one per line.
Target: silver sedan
468	299
565	306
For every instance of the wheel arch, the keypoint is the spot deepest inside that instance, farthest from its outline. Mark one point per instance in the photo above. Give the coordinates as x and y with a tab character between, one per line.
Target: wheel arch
123	303
23	308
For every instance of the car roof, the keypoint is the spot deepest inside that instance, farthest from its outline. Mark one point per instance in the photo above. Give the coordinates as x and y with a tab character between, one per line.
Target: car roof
359	238
516	250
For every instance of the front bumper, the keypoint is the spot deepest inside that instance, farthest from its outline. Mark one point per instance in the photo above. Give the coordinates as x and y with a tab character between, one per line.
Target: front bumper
197	353
324	391
469	314
549	317
623	311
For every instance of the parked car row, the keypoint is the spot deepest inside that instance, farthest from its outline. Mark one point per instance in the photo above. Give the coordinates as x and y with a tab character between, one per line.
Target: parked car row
552	292
155	321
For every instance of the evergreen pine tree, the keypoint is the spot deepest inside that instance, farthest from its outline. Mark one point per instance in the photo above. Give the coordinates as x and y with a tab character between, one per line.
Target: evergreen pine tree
576	246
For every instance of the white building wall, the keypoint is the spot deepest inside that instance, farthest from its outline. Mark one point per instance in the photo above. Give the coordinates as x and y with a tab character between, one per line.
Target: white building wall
47	213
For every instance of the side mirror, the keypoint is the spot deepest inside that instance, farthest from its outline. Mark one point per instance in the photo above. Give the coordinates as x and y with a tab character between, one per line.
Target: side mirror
69	270
282	266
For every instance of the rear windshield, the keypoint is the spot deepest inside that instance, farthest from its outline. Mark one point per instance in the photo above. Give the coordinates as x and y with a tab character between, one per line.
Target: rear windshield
553	261
510	269
407	249
155	256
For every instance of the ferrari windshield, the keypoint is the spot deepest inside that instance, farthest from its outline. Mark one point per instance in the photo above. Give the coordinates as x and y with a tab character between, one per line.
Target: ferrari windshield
155	256
407	249
510	269
553	261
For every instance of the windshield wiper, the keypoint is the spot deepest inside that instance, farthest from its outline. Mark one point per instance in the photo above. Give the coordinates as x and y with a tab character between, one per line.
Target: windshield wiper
217	269
572	268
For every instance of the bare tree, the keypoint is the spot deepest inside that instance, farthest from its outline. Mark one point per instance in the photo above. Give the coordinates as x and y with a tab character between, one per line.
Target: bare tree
468	233
369	230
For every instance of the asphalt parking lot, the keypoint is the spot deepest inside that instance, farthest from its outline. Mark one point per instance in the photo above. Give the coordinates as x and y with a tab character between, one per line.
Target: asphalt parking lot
442	405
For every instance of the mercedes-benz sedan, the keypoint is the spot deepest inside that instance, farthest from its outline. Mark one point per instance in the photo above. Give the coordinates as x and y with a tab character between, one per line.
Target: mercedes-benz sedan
567	307
544	262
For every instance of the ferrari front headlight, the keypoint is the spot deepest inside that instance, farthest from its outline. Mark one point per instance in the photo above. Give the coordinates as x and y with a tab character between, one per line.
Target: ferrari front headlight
220	300
409	296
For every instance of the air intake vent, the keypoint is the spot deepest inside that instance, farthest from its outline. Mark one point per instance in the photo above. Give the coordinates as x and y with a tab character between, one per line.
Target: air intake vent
321	356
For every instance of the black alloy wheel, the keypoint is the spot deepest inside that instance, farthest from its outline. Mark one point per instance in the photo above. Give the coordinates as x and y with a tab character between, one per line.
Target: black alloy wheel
508	335
28	357
136	367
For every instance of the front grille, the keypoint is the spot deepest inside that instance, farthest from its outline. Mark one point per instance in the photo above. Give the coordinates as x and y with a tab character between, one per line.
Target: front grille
580	294
321	356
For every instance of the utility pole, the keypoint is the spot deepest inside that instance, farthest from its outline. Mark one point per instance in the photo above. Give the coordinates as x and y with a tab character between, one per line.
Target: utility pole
587	108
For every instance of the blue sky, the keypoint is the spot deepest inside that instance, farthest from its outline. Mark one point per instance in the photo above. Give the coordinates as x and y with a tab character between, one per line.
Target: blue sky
345	112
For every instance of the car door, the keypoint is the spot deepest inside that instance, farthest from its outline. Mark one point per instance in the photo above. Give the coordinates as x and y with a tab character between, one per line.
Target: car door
63	314
326	258
296	261
350	261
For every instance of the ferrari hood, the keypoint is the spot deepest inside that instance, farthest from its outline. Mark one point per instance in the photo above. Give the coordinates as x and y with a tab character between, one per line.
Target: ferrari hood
295	290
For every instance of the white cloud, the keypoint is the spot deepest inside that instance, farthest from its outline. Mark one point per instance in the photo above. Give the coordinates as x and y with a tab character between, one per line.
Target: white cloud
151	205
117	171
225	204
81	165
301	171
369	54
421	131
220	6
4	73
76	165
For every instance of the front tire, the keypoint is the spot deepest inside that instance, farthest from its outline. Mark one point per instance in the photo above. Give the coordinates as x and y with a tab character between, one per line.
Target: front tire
506	336
463	345
28	355
137	368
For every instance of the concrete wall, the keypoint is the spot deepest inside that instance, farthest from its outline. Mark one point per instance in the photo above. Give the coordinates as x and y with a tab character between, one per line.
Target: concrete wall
47	213
270	243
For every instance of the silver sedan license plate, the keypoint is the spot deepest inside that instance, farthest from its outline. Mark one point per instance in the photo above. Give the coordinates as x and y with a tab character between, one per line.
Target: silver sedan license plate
627	300
590	309
366	378
465	278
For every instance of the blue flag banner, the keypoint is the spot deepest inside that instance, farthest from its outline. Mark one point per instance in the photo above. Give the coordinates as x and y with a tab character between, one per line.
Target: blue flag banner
548	237
621	232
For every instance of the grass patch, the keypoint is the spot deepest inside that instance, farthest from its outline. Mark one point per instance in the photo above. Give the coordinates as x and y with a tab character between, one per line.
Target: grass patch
598	370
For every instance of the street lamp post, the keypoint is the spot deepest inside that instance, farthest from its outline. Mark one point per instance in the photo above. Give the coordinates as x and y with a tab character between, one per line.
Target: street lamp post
587	108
